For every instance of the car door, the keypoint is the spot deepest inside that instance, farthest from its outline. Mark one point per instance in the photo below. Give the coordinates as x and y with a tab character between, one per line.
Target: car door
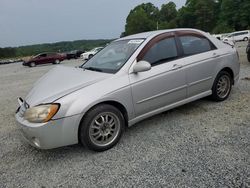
200	57
165	83
51	57
43	58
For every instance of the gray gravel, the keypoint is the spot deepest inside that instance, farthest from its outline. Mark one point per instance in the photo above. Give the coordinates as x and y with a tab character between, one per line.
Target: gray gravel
201	144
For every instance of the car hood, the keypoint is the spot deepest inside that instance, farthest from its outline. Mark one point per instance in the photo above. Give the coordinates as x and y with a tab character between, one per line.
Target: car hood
61	81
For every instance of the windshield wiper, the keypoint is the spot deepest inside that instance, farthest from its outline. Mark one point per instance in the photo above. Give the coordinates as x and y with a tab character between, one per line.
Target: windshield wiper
93	69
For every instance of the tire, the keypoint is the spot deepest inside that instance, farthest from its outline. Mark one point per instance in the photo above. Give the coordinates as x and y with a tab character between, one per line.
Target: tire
222	86
245	39
248	57
90	56
101	128
32	64
57	61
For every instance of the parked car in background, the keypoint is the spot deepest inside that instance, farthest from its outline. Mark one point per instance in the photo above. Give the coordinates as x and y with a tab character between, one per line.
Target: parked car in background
221	36
74	54
131	79
248	50
90	54
45	58
238	36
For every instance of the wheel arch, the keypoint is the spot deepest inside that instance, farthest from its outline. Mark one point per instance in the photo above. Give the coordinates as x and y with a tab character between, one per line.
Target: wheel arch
116	104
230	71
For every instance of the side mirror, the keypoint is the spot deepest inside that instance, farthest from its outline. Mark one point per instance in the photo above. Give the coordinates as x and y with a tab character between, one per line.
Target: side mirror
141	66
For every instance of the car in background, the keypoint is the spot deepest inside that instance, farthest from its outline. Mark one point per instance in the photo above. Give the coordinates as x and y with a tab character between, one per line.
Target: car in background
248	51
74	54
90	54
238	36
131	79
221	36
45	58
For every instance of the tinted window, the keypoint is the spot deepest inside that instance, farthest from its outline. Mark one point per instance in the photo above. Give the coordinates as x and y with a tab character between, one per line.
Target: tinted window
43	55
195	45
162	51
51	54
244	33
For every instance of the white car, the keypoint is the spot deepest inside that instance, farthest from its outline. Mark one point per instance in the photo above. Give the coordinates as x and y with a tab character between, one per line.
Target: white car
238	36
221	36
90	54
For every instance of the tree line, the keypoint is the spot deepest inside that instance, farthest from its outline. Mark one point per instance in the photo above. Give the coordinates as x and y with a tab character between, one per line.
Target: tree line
214	16
29	50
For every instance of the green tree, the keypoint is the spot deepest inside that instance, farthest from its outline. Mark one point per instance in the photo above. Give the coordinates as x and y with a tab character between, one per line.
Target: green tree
200	14
235	14
7	52
167	16
142	18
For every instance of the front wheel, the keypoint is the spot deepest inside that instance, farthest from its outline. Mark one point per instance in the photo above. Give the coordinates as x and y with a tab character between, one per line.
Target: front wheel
101	128
222	86
90	56
32	64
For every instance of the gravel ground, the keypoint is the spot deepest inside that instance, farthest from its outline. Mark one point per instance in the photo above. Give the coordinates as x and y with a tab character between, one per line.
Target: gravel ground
201	144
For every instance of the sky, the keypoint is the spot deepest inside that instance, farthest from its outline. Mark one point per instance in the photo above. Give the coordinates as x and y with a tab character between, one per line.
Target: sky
24	22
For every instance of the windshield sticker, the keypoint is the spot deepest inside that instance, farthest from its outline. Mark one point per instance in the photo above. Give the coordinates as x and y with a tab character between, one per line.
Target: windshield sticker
135	41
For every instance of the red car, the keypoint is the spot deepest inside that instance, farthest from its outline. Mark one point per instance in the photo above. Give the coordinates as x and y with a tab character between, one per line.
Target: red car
45	58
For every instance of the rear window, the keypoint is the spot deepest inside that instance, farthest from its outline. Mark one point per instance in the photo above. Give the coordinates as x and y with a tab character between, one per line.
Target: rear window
195	45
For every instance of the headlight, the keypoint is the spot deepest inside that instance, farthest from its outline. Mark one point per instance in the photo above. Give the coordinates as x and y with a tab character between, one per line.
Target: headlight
42	113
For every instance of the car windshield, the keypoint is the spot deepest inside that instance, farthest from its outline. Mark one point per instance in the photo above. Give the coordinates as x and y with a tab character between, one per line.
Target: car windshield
112	57
98	49
37	55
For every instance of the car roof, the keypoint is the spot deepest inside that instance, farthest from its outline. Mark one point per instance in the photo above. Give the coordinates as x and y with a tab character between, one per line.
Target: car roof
149	34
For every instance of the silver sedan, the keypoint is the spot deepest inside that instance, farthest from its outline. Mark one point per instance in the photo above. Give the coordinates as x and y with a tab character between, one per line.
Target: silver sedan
131	79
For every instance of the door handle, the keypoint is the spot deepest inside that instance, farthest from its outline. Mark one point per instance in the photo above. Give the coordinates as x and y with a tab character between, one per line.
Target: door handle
176	67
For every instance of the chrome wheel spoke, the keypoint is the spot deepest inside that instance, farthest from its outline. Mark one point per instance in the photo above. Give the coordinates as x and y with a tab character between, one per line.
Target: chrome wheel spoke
98	136
112	121
104	128
97	123
223	86
106	119
95	127
96	133
103	120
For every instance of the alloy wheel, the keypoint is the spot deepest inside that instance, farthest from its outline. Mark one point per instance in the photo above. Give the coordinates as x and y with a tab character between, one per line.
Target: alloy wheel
104	128
223	86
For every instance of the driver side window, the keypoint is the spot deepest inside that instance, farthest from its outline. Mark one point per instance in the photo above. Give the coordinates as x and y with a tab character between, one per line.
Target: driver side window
161	52
43	55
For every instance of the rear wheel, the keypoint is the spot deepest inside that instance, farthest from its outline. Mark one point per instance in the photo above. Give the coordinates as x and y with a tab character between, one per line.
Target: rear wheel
222	86
101	128
32	64
57	61
245	39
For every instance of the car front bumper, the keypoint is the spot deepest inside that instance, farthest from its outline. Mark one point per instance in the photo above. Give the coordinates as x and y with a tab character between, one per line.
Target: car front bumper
85	56
52	134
